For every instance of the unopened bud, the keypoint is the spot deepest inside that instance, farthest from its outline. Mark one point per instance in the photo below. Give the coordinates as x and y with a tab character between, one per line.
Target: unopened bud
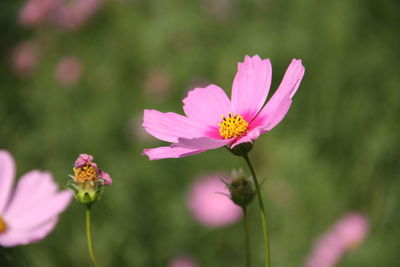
241	189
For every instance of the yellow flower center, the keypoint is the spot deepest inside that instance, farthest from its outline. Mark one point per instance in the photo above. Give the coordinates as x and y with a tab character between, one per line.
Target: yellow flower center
233	126
86	173
3	225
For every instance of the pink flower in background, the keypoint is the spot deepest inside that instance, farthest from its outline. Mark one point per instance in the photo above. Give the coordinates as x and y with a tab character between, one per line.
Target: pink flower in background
352	229
30	212
183	261
73	14
346	234
157	84
25	58
213	121
36	12
208	206
68	71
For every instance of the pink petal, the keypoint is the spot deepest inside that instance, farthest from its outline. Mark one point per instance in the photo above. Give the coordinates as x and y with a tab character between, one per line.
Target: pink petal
14	236
7	172
279	104
201	143
170	152
250	86
248	138
35	201
206	105
170	126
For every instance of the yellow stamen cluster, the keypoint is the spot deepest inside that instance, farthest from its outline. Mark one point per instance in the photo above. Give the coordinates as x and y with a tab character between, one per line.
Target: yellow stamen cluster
3	225
232	126
87	173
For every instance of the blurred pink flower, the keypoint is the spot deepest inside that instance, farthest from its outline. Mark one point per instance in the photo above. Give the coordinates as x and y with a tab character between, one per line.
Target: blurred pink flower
213	121
183	261
68	71
73	14
36	12
220	10
157	84
29	213
346	234
352	229
208	206
25	58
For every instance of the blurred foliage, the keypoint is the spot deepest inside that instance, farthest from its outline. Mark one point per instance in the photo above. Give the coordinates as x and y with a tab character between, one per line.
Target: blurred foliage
336	151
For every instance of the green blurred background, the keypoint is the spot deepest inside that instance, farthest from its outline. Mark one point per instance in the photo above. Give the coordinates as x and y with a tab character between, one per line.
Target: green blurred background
337	150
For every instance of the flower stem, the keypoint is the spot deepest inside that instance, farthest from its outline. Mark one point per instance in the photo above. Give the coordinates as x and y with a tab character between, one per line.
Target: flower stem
89	236
247	237
262	211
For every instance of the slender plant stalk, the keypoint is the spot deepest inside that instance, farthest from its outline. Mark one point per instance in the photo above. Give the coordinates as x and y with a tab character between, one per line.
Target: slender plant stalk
89	236
247	237
262	212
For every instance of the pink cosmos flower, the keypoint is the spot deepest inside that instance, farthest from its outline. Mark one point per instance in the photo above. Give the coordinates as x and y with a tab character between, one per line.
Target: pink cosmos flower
36	12
29	213
73	14
68	71
25	58
183	261
213	121
209	206
346	234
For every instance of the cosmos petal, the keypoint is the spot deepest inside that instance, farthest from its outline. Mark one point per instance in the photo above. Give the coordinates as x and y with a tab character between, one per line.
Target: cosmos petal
251	86
170	126
206	105
202	143
22	236
279	104
7	173
35	200
169	152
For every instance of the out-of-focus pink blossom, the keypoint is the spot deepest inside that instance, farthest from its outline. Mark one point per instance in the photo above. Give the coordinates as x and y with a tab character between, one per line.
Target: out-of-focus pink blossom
68	71
25	58
68	14
30	212
182	261
209	206
36	12
157	84
219	10
352	229
73	14
346	234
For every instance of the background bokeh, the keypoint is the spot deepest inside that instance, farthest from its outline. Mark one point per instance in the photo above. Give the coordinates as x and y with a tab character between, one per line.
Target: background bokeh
337	150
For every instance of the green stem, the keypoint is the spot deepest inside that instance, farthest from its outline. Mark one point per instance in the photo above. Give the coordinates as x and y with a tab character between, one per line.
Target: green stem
262	211
89	236
247	237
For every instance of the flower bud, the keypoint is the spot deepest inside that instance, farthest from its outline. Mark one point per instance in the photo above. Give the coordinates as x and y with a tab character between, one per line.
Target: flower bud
88	181
241	189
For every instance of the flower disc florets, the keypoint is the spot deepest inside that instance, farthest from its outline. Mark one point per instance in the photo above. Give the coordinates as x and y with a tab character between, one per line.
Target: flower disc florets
3	225
233	126
88	181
